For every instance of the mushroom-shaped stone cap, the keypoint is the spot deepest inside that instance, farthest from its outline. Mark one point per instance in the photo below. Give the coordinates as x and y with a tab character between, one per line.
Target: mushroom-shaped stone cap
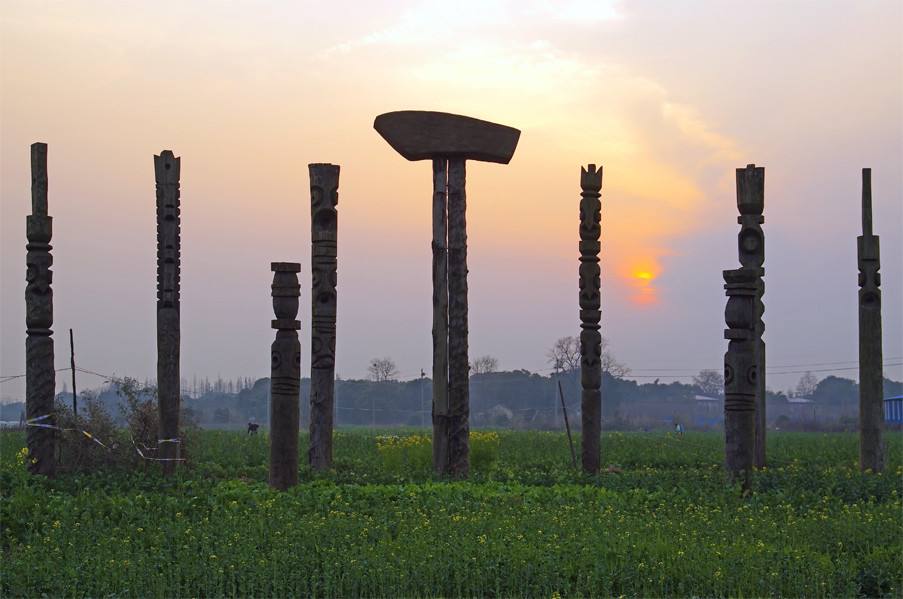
423	135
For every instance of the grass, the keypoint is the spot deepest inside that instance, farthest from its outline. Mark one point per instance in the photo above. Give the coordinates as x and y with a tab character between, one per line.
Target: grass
525	523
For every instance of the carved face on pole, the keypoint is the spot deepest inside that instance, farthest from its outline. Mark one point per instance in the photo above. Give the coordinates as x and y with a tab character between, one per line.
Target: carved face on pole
591	357
740	367
590	218
590	282
286	364
324	277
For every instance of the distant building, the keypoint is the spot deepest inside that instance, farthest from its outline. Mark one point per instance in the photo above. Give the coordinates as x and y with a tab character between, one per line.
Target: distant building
708	411
801	408
893	409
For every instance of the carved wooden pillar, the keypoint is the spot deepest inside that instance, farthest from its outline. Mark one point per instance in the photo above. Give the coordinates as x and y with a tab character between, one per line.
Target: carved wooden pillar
324	197
440	315
871	375
285	376
449	140
169	244
751	246
590	315
740	372
40	374
458	362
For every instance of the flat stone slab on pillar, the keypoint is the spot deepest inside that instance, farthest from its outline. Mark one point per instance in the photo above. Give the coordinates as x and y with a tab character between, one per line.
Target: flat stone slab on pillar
424	135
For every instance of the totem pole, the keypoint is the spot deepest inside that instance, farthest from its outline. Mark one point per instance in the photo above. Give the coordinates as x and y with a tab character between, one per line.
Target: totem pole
740	372
285	377
40	375
324	196
166	171
449	140
590	314
751	245
871	376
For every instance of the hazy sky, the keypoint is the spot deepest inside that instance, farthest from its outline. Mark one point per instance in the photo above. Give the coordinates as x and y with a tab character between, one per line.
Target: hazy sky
669	97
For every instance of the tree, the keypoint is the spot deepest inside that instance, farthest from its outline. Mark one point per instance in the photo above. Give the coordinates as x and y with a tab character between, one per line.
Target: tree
564	356
807	385
484	365
382	369
610	364
709	382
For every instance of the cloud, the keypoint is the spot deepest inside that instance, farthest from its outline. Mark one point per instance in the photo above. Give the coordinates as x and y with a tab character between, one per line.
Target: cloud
431	23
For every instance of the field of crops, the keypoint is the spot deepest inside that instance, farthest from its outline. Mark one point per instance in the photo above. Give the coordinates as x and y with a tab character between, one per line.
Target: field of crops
661	522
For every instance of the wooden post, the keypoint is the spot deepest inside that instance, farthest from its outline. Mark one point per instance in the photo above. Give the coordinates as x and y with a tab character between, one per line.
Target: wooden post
40	375
324	197
751	247
72	364
871	375
590	315
740	373
285	376
440	316
167	171
458	362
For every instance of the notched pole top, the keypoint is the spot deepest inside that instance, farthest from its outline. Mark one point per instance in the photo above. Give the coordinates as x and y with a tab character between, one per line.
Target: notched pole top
39	179
751	189
166	167
867	202
423	135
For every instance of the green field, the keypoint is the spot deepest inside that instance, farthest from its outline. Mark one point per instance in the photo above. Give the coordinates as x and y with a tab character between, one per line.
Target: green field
662	523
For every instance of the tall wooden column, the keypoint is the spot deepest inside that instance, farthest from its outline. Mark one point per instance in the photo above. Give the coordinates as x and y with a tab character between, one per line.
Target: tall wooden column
440	315
40	374
740	373
166	171
590	316
458	362
324	198
871	375
751	246
285	376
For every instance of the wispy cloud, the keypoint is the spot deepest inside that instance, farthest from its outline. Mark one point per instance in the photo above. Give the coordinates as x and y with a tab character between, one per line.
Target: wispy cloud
430	24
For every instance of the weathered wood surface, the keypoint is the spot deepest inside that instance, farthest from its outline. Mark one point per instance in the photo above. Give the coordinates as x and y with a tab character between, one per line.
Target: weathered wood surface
324	199
40	375
423	135
590	315
751	249
440	316
871	372
285	376
167	172
740	373
458	362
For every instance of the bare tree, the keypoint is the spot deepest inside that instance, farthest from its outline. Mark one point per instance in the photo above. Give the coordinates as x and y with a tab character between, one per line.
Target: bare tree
382	369
709	382
565	356
484	365
611	365
807	385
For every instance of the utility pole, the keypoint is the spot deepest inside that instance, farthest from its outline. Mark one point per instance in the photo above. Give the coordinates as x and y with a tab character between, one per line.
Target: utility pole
72	362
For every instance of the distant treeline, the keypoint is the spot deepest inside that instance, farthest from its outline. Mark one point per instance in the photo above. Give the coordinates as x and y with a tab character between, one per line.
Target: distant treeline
516	399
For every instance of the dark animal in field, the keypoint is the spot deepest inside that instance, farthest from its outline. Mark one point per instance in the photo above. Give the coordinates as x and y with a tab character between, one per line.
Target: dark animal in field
252	428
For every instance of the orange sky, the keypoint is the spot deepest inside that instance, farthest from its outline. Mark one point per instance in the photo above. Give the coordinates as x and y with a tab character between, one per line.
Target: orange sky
669	101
